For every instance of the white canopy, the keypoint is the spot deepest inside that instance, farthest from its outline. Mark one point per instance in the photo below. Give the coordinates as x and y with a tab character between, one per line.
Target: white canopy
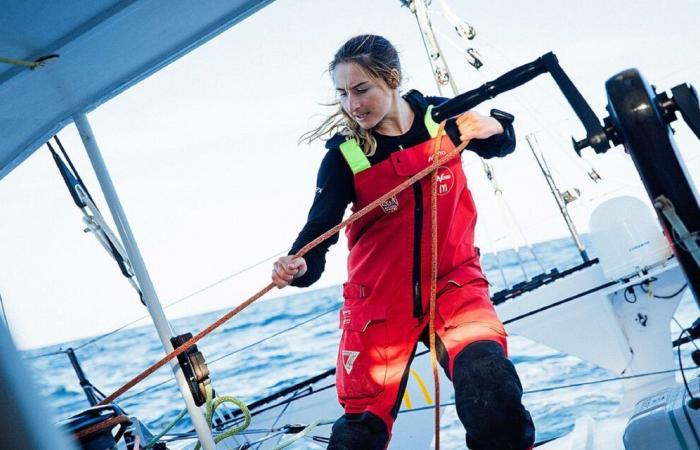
104	47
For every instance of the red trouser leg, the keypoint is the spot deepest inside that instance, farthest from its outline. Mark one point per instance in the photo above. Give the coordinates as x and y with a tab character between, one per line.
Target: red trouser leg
488	392
378	342
465	314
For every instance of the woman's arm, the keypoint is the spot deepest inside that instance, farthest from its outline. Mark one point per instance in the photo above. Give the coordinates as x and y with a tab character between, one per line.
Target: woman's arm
485	138
488	136
334	191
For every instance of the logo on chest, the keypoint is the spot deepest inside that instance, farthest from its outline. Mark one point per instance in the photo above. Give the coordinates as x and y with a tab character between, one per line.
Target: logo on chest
390	206
445	180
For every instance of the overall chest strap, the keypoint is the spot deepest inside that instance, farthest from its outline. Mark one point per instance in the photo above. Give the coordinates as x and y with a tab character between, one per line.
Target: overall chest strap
356	158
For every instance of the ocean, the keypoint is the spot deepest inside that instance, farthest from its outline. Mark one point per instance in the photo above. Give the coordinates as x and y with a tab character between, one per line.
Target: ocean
299	334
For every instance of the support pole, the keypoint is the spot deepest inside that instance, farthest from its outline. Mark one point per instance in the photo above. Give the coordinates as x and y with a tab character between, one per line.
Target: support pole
563	209
149	293
84	383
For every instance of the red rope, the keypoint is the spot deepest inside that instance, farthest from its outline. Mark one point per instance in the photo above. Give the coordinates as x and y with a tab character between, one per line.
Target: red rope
109	423
433	284
184	347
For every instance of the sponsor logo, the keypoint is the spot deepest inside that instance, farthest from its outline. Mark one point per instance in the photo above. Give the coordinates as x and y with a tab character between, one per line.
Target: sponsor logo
390	206
348	358
440	154
445	180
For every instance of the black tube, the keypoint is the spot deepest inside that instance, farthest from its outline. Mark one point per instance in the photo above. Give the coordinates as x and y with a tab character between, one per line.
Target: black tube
596	136
470	99
84	383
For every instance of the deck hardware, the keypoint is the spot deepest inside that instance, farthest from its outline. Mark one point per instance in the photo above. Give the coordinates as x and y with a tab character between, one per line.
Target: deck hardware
684	237
33	65
474	58
194	368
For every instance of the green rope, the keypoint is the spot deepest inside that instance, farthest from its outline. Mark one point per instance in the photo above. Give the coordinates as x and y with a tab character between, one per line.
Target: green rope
211	407
156	438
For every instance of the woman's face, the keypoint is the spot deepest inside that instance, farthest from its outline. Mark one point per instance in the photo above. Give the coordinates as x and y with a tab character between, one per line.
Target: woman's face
364	98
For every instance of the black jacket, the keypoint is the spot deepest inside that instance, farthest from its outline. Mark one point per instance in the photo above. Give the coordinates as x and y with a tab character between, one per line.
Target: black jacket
335	185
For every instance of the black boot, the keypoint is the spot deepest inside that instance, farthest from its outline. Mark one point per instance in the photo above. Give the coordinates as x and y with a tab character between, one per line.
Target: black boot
359	432
488	397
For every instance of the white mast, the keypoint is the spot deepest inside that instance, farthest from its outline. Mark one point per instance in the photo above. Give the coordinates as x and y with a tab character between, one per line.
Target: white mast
149	293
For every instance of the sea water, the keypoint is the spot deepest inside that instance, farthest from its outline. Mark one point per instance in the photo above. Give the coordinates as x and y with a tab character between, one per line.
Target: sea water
301	333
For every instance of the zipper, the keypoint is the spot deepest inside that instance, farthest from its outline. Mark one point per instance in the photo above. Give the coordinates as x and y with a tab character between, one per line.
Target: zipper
417	238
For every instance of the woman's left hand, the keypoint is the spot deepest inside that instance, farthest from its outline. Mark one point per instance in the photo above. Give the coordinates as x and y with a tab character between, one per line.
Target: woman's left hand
473	125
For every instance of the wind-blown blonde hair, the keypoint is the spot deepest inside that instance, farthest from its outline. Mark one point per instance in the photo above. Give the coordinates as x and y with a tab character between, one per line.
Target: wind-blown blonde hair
379	59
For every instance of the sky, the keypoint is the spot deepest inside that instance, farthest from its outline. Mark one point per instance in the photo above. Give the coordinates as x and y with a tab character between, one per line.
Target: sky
204	154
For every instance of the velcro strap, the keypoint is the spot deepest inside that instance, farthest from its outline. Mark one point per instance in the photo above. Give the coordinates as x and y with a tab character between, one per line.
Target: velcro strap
430	124
355	157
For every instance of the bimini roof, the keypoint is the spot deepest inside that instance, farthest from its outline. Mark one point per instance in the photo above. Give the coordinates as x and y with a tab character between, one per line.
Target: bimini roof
103	48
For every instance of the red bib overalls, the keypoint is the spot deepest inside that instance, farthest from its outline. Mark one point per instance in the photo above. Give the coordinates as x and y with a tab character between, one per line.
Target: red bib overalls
387	293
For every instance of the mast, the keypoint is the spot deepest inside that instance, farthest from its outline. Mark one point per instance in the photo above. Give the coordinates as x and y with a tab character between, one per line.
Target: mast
443	76
556	193
150	297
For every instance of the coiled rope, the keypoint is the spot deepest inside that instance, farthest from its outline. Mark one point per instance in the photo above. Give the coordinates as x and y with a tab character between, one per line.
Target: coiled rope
212	405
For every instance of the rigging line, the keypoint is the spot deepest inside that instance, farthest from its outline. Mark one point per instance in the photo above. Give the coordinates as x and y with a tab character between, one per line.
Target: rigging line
552	126
530	105
511	222
335	308
503	204
188	296
519	229
277	419
565	386
437	61
561	302
574	206
323	237
499	192
4	315
54	353
154	386
684	328
72	167
489	236
676	72
680	363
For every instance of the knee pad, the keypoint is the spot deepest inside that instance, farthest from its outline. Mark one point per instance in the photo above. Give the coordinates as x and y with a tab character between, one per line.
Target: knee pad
359	432
488	397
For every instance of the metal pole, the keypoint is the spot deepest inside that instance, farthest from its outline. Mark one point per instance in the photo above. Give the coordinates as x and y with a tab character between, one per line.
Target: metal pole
149	293
532	142
84	383
438	62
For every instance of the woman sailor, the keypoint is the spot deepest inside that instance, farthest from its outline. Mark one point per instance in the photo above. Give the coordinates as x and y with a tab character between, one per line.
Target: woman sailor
379	138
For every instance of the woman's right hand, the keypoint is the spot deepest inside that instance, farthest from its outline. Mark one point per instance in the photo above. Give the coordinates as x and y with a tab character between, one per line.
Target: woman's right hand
286	269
